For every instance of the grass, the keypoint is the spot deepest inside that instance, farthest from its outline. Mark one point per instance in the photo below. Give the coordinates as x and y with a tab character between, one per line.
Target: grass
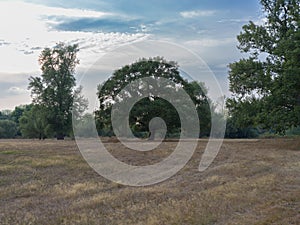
250	182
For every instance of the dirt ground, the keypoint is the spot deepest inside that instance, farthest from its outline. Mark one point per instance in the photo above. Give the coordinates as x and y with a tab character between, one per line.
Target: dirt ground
249	182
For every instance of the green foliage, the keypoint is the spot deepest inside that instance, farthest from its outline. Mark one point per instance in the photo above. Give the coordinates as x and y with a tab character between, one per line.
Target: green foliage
294	131
8	129
267	91
153	106
146	109
17	113
5	114
34	124
235	131
54	90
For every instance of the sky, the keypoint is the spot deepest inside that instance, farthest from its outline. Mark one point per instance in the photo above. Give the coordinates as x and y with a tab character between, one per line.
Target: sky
208	28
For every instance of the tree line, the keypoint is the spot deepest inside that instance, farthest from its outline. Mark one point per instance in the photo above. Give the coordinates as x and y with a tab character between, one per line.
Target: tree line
265	88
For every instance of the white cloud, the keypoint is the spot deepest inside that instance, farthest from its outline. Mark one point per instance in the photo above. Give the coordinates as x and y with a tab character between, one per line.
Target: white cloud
222	66
17	90
50	11
15	77
241	20
260	21
210	42
27	29
197	13
9	102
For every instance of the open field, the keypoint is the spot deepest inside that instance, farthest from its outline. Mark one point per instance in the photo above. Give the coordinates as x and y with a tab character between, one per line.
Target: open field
250	182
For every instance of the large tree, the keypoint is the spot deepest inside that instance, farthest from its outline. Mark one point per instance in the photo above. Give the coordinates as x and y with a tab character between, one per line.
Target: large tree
266	85
152	106
54	89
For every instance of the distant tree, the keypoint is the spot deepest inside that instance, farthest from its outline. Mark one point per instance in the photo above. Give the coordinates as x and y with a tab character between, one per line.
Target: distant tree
34	123
266	86
5	114
233	130
54	90
8	129
17	113
204	106
152	106
80	104
84	126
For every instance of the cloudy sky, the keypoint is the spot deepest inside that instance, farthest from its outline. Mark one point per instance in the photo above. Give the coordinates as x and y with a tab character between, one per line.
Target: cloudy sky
206	27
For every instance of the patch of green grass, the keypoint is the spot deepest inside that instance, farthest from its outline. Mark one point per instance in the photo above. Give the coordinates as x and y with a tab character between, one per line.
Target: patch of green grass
10	152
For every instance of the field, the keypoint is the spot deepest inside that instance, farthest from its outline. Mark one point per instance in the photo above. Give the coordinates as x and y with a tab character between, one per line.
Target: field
250	182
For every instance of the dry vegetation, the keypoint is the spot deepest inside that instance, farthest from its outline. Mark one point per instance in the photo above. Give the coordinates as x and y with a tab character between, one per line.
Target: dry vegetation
250	182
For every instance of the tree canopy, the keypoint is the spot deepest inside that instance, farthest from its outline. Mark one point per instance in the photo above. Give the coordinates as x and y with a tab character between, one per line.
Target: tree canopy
152	106
266	85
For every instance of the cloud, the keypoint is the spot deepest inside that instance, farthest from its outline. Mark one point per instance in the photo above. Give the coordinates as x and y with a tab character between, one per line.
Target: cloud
261	20
97	32
210	42
22	38
103	24
2	43
9	78
10	101
197	13
17	90
241	20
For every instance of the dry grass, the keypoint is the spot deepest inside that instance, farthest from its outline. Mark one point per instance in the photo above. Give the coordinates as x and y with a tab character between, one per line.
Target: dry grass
250	182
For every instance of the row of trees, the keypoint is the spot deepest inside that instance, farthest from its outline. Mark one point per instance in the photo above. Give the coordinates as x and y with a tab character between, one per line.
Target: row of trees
53	96
265	87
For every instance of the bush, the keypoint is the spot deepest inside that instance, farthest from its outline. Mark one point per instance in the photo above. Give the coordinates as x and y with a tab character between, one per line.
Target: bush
294	131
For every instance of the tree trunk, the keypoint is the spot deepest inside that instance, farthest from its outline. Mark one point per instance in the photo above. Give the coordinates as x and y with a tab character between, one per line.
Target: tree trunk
60	137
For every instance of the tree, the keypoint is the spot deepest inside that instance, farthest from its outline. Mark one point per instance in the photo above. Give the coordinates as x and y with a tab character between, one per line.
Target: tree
5	114
17	113
54	90
266	86
109	93
8	129
34	124
80	104
84	126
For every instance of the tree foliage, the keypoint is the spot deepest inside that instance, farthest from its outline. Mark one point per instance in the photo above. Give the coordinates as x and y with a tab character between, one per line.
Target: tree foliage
54	89
266	85
34	124
152	106
5	114
8	129
17	113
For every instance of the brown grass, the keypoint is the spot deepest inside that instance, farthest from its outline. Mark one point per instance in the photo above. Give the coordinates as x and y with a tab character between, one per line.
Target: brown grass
250	182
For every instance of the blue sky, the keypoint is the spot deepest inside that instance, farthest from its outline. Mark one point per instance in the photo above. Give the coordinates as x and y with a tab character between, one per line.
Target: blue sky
207	27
